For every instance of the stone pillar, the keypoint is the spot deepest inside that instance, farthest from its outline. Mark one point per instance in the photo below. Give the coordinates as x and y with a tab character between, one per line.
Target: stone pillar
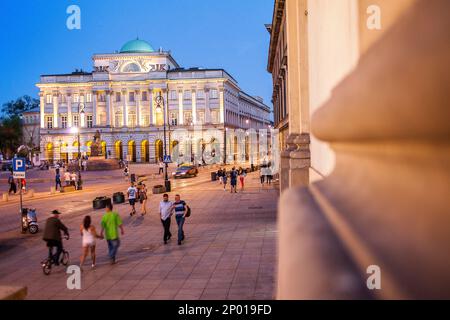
94	109
109	112
124	109
69	110
180	107
55	110
152	116
207	107
221	105
137	98
42	109
194	105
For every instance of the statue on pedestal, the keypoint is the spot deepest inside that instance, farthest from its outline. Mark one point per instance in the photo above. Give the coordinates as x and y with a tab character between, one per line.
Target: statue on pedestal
96	147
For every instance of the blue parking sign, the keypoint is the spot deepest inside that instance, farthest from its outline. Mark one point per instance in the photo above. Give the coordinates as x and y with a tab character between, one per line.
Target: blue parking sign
19	167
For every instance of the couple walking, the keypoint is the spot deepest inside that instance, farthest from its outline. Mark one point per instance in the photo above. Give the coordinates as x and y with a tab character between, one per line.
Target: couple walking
110	225
166	210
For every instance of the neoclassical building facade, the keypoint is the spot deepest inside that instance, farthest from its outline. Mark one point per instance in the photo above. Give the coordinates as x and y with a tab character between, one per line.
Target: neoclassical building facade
118	99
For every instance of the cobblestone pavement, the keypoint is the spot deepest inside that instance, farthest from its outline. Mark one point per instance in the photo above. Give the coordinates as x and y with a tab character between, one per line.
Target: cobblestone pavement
229	252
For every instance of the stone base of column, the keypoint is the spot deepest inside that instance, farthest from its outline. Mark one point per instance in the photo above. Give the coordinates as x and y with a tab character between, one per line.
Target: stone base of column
295	162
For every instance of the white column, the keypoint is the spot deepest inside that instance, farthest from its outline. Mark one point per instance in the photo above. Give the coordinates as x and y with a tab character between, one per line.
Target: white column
108	109
194	105
69	110
124	109
180	107
221	106
42	108
55	110
207	108
150	96
94	109
137	98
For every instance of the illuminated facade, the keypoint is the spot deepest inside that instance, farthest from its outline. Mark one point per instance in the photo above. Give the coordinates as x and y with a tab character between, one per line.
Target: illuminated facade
118	100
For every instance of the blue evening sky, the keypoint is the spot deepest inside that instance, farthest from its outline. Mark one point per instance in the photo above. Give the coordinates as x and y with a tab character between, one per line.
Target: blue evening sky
228	34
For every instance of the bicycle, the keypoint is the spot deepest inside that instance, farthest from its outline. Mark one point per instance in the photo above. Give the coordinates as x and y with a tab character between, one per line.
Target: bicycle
50	260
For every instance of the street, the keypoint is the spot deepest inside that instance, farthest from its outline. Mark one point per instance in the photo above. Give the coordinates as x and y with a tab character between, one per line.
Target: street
229	252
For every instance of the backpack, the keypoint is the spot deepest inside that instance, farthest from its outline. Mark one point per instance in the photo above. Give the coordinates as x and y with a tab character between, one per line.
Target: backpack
188	213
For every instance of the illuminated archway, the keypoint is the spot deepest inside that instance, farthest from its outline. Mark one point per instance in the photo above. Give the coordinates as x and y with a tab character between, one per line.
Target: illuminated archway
63	154
132	150
88	145
145	151
104	150
159	150
118	149
75	155
49	152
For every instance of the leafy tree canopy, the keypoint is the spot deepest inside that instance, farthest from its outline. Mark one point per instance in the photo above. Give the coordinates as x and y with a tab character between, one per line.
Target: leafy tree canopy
21	105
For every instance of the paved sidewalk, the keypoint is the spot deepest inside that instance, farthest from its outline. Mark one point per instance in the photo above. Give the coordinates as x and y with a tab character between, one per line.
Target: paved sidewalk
229	252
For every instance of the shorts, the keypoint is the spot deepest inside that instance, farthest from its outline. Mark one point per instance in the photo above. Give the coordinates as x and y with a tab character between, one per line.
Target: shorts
132	201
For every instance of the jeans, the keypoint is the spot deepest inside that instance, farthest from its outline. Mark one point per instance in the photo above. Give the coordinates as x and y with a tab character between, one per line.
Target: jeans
180	223
113	246
59	249
166	225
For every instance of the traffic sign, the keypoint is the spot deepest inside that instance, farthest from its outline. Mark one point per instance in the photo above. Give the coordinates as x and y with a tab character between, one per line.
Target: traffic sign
167	159
19	168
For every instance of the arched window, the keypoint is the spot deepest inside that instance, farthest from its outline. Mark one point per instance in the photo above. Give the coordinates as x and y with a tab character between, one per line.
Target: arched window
131	67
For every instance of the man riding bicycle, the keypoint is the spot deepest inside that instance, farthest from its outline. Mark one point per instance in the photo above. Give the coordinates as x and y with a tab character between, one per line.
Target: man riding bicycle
52	235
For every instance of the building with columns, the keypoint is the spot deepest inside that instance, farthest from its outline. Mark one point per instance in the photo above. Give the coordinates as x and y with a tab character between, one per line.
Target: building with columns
118	99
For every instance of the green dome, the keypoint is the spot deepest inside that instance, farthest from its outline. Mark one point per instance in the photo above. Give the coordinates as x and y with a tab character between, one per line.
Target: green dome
136	46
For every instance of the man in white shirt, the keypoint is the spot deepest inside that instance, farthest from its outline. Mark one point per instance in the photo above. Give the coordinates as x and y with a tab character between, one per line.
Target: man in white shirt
165	210
74	177
132	195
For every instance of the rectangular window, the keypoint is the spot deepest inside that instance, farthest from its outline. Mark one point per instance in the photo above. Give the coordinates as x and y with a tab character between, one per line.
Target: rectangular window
144	96
118	119
146	120
187	95
214	94
117	96
63	98
49	121
82	98
89	121
200	94
214	116
173	95
200	117
187	118
49	98
102	118
101	97
89	97
76	98
173	118
75	120
64	122
131	97
132	120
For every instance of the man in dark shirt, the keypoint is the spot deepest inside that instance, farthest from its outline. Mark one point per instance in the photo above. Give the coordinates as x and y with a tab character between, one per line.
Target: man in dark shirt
52	234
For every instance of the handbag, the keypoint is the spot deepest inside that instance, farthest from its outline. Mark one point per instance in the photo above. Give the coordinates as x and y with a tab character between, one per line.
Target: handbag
188	213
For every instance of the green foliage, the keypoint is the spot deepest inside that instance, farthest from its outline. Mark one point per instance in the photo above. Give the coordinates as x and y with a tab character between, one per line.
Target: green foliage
10	134
21	105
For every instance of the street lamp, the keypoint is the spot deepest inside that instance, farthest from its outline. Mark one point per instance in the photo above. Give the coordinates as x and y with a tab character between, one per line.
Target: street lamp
76	130
160	104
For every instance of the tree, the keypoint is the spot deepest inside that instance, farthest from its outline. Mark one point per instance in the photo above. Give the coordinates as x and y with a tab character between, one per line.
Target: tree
21	105
11	134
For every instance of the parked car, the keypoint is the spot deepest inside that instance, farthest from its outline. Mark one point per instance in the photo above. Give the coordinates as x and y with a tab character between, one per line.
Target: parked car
6	165
185	171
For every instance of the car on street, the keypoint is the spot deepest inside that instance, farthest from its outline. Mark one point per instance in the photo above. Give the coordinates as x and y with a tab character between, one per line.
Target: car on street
185	171
6	165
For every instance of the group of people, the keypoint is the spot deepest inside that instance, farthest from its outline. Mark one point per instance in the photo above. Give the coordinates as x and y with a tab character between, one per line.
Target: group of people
233	176
70	179
135	194
111	224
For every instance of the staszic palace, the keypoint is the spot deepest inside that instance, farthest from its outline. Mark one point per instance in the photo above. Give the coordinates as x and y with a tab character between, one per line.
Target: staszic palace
118	100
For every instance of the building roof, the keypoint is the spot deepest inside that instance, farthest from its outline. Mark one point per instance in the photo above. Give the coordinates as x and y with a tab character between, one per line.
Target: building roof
136	46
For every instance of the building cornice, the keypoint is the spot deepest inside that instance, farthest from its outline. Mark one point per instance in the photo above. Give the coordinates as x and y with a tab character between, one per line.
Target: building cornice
277	20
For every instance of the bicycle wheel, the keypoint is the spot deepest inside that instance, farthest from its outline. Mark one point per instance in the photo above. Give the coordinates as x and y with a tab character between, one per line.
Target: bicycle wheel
47	267
65	258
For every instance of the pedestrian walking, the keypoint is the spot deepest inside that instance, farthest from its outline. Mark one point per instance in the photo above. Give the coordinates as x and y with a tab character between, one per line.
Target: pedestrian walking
262	176
23	185
233	180
84	165
73	178
125	173
165	211
132	194
67	178
58	182
12	184
161	167
225	179
111	222
220	175
242	175
89	234
180	207
143	199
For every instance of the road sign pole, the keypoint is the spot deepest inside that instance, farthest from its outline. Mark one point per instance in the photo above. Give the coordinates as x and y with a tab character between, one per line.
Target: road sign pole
21	205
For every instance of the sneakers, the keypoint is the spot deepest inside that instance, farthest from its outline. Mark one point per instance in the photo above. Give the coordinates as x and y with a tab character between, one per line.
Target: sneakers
179	243
93	266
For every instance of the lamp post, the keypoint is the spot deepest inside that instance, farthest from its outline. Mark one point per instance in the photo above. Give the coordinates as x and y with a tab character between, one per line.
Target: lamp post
160	103
76	130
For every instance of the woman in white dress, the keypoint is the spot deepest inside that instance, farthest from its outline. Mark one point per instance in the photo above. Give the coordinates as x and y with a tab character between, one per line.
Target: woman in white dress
89	235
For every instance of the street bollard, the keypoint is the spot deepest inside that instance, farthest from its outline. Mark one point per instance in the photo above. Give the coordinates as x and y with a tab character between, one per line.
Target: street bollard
52	190
5	197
